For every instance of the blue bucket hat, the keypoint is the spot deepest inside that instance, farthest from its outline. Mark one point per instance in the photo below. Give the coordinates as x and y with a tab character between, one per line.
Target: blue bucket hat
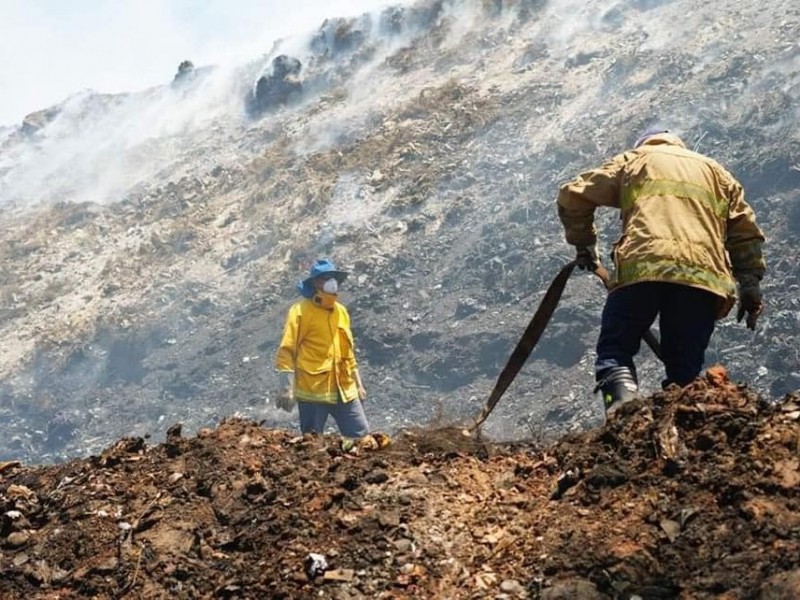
649	132
321	267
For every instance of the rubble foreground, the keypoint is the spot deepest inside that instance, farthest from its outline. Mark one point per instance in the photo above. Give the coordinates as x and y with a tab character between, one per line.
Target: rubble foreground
691	493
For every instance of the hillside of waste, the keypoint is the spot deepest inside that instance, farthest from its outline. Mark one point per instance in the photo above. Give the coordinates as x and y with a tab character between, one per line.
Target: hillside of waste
151	242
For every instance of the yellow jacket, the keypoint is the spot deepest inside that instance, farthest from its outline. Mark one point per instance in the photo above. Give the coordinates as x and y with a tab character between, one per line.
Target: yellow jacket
684	218
317	346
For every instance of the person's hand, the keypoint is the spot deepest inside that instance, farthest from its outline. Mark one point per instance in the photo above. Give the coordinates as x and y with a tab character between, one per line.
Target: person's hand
586	258
284	397
284	400
362	393
750	304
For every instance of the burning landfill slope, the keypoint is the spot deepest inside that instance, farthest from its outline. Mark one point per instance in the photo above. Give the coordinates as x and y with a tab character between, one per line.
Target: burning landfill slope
148	285
693	493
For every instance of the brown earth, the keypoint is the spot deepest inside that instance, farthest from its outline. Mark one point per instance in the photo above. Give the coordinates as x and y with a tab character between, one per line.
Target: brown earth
692	493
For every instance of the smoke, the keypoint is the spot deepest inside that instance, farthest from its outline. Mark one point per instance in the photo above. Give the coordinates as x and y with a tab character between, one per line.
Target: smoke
355	206
54	50
97	147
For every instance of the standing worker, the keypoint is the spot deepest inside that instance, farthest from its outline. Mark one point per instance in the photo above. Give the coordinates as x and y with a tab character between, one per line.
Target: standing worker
316	359
687	234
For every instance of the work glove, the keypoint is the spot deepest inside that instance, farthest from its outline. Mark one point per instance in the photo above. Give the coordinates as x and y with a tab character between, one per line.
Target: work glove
750	303
284	397
586	258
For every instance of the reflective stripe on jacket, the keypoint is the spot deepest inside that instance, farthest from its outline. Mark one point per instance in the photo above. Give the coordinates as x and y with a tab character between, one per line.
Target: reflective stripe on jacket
684	218
317	346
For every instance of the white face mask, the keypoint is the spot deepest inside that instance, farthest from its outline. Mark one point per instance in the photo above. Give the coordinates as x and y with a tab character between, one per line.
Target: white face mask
331	286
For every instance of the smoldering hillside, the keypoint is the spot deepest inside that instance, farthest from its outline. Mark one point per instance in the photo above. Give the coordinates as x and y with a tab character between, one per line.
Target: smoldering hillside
151	242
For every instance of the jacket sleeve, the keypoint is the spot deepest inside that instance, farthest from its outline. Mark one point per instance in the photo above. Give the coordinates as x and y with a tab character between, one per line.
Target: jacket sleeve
744	239
578	199
350	357
287	350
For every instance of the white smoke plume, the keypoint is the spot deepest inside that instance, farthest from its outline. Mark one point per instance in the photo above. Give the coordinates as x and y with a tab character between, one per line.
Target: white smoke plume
98	147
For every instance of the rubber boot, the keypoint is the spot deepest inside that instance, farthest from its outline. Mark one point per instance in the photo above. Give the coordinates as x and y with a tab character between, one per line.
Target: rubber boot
618	386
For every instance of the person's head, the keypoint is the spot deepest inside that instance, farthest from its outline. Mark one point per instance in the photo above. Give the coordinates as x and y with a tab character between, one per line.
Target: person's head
648	133
655	134
322	277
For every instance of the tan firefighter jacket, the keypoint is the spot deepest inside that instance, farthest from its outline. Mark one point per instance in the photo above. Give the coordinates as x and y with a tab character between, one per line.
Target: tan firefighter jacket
684	218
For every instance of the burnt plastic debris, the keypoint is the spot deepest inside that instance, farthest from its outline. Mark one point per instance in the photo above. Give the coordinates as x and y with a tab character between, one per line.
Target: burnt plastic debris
316	565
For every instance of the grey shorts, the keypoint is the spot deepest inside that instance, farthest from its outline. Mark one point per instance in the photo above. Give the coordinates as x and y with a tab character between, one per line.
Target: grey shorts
349	417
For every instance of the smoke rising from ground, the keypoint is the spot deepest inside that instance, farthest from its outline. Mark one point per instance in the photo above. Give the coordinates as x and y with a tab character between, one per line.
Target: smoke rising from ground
55	49
97	147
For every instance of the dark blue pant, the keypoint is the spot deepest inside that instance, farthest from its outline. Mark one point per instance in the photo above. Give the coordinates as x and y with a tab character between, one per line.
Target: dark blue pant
686	322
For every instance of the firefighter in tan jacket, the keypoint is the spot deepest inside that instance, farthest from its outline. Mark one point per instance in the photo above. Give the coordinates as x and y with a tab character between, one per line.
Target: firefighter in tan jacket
688	237
316	360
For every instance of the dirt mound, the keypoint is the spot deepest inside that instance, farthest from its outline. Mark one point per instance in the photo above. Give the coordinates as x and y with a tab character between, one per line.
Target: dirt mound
693	493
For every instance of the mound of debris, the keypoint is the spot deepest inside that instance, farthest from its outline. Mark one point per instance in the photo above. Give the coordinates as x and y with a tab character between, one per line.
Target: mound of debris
692	493
282	86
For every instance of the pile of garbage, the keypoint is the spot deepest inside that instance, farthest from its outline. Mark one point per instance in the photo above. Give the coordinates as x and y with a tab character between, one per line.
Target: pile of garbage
691	493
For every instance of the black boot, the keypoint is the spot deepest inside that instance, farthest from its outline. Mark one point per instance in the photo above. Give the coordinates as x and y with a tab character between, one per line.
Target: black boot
618	385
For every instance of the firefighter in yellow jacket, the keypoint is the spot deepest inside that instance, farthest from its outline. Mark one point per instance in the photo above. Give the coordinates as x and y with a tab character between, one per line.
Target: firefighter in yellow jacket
316	359
688	238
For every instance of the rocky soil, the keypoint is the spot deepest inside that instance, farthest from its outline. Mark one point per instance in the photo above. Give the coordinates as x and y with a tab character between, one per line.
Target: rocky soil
693	493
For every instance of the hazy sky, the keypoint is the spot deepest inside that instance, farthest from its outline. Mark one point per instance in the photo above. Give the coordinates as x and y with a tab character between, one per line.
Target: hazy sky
50	49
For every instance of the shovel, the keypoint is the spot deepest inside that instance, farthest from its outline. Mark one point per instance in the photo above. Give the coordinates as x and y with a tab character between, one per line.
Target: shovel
535	330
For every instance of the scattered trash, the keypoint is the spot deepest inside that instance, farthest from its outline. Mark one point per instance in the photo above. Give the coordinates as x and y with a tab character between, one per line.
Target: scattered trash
345	575
671	528
315	565
370	442
564	482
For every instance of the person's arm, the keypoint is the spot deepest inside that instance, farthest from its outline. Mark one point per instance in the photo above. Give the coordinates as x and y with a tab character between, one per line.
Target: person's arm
285	359
350	359
578	199
287	349
743	242
362	392
744	239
